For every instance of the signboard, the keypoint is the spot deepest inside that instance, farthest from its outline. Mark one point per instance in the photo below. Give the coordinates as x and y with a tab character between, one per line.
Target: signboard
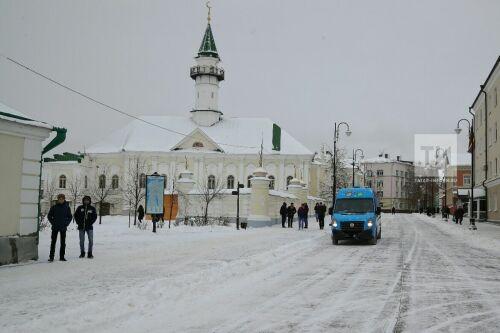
154	194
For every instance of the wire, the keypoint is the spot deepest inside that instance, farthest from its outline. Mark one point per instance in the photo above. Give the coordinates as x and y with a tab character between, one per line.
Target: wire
109	106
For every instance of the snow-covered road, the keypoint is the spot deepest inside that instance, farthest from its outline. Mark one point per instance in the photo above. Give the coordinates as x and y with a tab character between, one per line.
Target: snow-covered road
423	275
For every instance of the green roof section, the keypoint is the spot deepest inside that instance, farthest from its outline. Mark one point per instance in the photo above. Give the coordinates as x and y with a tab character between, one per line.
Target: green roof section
208	48
65	157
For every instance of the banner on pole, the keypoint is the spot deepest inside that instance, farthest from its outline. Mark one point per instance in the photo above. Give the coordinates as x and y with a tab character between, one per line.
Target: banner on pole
154	194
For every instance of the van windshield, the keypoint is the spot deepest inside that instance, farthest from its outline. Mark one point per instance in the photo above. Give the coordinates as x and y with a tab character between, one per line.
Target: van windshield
354	206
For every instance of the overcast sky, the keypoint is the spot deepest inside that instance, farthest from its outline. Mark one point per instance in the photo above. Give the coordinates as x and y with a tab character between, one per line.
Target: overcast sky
390	68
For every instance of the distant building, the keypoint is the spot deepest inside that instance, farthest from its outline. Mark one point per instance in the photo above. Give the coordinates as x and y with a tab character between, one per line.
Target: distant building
21	149
391	179
458	186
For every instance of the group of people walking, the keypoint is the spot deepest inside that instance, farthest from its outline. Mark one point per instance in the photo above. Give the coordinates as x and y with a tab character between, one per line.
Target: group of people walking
60	217
288	213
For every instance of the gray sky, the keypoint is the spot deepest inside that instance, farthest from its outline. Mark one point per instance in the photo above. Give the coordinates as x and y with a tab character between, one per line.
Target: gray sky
391	68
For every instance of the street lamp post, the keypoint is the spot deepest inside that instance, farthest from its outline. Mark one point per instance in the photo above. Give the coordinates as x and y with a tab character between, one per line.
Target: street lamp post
354	154
335	138
471	150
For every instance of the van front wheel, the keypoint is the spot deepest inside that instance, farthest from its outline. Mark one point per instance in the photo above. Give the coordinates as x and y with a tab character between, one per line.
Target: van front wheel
335	241
373	241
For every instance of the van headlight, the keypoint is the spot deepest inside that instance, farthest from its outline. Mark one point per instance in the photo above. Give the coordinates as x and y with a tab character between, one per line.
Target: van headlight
334	223
370	223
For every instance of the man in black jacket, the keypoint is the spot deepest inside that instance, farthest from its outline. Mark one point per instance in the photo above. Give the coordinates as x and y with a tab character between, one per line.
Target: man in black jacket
59	217
291	210
85	216
283	212
321	215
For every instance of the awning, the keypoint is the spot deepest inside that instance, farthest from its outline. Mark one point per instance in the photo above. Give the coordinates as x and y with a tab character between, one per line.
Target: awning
478	192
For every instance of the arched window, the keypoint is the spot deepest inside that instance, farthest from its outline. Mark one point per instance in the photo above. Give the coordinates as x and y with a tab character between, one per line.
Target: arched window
249	181
230	182
142	181
271	182
164	180
102	181
288	179
198	144
211	182
114	182
62	181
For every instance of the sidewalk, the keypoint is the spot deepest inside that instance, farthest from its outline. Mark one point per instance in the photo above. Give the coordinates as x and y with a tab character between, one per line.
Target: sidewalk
487	235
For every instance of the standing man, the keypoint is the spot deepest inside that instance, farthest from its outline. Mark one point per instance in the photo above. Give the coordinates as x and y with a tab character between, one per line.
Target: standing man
321	215
85	216
306	208
283	212
459	215
59	217
301	213
393	210
291	210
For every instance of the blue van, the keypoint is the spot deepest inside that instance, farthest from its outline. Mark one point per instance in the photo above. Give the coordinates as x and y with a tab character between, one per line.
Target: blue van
356	215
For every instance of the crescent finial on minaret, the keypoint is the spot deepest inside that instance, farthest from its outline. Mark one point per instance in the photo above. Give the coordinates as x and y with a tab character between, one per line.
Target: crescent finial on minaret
209	7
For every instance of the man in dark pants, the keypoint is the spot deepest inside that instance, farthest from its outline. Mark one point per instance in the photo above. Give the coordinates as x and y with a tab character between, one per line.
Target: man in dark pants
291	210
283	212
59	217
85	216
321	215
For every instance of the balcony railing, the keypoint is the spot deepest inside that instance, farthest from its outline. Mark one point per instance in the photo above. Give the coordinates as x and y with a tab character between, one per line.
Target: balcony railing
207	70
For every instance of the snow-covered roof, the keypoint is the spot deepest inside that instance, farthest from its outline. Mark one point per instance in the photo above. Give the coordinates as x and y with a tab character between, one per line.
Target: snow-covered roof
8	113
232	135
382	159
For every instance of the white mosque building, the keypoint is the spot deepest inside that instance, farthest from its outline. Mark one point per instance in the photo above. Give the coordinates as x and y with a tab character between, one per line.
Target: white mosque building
203	146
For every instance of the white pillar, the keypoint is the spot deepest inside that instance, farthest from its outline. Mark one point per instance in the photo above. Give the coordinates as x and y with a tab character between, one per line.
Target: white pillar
184	186
259	199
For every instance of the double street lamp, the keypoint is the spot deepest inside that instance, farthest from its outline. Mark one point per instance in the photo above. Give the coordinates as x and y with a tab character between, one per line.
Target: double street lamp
471	149
334	157
354	155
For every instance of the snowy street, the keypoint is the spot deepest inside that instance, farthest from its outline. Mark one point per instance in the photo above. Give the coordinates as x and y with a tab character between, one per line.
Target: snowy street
424	274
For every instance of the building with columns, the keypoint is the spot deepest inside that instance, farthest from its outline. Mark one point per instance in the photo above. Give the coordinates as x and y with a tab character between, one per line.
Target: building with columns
216	148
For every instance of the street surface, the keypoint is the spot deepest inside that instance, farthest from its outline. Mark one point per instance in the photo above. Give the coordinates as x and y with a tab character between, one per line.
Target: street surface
423	275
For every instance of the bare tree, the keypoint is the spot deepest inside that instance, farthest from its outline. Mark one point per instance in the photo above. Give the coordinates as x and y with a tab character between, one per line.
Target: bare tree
343	171
101	189
134	189
210	188
49	191
75	190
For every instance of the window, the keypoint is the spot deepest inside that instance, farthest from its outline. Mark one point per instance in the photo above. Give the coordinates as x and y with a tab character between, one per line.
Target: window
114	182
211	182
62	181
249	182
369	173
142	181
85	182
369	183
380	183
271	182
198	144
164	180
102	181
288	179
467	180
380	172
397	173
230	182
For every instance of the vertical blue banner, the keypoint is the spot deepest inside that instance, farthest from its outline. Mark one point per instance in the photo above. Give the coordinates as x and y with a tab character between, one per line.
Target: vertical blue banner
154	194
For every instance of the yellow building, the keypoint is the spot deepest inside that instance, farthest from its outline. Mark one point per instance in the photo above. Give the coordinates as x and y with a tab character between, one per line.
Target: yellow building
21	149
486	109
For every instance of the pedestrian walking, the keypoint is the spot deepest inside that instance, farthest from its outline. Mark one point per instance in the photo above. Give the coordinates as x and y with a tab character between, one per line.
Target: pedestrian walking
321	215
306	207
291	210
316	211
155	218
59	217
459	215
301	214
85	216
283	213
393	210
140	213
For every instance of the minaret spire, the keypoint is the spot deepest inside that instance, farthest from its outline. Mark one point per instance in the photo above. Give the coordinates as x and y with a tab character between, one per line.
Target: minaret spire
207	74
